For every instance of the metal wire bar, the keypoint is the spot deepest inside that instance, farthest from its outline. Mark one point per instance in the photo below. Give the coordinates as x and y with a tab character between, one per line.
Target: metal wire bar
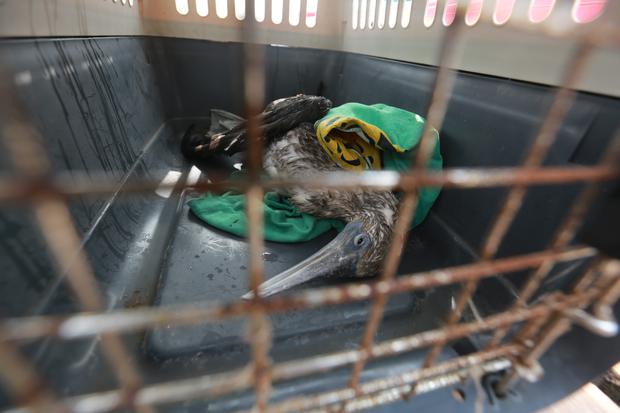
224	383
23	381
443	83
606	286
532	326
588	278
553	325
563	236
557	326
219	384
598	287
343	395
260	326
14	190
375	392
571	224
602	308
423	386
541	144
24	145
216	385
406	207
126	320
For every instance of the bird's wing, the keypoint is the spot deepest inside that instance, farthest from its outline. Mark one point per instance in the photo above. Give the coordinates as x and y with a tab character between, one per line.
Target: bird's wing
279	117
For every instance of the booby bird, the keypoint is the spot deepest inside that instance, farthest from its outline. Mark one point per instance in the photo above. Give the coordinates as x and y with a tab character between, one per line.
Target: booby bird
292	150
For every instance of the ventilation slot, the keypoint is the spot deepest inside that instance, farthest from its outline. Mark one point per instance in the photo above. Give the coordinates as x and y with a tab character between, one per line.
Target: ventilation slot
503	11
294	10
221	8
277	11
540	10
240	9
393	16
182	6
130	2
405	17
474	11
449	12
363	10
259	10
202	8
429	12
312	9
372	10
382	14
586	11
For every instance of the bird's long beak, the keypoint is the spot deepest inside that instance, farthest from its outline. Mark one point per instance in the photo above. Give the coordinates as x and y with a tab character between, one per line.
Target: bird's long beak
340	256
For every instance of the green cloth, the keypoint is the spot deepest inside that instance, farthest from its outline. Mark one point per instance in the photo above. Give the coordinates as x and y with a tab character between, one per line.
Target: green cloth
284	222
394	131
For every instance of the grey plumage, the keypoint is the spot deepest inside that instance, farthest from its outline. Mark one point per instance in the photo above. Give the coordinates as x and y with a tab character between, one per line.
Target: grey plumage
298	154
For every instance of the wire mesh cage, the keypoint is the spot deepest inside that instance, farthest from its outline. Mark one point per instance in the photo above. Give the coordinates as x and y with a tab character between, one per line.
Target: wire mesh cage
114	298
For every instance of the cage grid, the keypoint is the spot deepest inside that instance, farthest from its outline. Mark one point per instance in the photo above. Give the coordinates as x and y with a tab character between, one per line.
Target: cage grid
542	322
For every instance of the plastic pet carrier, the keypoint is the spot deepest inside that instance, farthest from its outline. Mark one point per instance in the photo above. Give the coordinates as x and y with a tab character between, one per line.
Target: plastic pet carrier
114	296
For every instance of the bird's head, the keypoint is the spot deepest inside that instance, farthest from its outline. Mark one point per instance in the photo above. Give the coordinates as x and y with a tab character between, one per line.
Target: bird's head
375	235
358	250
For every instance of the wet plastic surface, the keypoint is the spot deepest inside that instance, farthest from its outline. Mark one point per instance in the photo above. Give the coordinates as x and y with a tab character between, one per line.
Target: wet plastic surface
118	107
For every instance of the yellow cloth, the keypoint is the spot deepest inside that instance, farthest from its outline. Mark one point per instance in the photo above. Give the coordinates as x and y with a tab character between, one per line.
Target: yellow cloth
360	137
347	141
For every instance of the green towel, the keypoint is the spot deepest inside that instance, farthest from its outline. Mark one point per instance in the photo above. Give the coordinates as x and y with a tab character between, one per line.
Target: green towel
395	132
355	136
283	221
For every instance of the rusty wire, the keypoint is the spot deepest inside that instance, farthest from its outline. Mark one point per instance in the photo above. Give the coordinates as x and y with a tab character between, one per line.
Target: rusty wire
563	236
259	333
126	320
424	385
540	146
375	387
437	107
24	383
602	307
219	384
544	321
554	324
557	321
20	189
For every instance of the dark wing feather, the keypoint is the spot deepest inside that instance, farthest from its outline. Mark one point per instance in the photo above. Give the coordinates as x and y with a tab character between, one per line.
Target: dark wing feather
279	117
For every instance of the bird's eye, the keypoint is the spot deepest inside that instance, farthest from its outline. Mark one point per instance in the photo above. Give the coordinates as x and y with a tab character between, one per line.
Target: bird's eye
360	240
